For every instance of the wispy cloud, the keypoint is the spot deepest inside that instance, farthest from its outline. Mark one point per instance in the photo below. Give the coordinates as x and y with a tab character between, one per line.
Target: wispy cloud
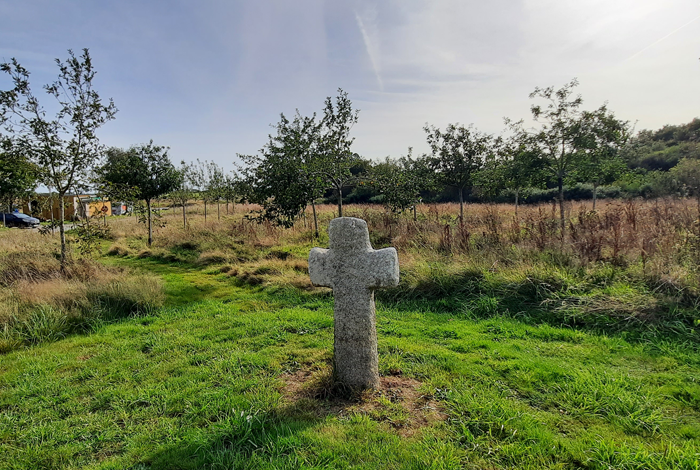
663	38
207	80
371	45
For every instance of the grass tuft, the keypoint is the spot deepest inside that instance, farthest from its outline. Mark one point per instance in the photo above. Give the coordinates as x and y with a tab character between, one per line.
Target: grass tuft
118	250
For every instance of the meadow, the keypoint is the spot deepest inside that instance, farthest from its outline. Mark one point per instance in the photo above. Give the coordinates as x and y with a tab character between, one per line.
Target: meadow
505	345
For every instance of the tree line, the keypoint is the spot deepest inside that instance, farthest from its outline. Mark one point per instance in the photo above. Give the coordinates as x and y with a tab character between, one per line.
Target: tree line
55	144
309	159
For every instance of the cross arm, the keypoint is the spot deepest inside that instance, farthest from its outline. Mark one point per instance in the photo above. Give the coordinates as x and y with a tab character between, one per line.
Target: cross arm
320	269
383	268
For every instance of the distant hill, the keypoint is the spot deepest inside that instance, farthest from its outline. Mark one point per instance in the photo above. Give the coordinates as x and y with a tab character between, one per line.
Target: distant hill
664	148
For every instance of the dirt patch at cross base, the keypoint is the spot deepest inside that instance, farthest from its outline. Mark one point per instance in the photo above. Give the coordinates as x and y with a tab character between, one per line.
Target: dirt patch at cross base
398	401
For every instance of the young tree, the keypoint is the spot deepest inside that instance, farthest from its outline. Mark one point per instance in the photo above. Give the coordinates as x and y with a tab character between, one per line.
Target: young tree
457	154
602	138
18	176
66	146
215	185
401	182
335	157
284	179
301	161
514	165
198	178
182	194
231	189
146	169
209	178
560	135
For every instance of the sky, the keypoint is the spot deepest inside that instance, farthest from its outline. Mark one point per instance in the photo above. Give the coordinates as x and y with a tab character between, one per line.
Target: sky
208	78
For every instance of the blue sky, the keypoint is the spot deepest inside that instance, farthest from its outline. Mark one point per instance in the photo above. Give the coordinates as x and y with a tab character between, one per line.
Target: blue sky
207	78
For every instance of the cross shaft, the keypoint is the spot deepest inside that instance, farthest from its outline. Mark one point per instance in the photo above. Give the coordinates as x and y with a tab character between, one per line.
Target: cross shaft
354	270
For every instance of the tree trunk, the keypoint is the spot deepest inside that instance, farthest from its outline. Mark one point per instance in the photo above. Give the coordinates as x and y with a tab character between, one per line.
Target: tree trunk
340	201
205	211
184	215
313	208
562	217
517	193
415	216
595	193
226	206
461	206
150	228
62	232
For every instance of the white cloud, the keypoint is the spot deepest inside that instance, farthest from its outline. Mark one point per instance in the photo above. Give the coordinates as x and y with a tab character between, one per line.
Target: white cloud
208	78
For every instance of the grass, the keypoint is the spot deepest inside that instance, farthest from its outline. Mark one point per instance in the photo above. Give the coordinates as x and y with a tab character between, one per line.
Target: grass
41	303
504	357
176	389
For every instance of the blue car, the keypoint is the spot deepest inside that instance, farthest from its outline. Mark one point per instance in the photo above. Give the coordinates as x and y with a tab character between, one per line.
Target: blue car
19	220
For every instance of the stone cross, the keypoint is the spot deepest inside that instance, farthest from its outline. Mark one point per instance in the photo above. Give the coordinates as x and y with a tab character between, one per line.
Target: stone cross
354	270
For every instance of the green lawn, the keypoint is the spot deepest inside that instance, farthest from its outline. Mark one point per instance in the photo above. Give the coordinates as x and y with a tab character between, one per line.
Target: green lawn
236	376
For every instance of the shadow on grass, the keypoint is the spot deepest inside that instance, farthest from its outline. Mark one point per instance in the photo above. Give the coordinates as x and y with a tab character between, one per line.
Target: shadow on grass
553	301
537	299
244	438
235	441
279	438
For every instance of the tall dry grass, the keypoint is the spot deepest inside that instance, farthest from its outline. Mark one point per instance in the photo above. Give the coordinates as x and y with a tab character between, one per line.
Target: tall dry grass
619	230
629	259
656	239
40	302
655	244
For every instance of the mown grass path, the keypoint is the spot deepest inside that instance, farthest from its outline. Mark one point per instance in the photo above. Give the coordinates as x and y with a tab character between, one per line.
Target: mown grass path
205	383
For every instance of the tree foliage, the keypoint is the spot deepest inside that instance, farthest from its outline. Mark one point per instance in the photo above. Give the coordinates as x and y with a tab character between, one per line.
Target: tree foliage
558	134
335	157
284	179
18	176
209	180
602	137
183	192
662	149
144	170
304	158
232	189
572	142
401	182
458	153
687	177
63	147
513	165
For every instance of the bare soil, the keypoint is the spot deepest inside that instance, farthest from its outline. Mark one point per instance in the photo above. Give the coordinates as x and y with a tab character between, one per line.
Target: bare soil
398	402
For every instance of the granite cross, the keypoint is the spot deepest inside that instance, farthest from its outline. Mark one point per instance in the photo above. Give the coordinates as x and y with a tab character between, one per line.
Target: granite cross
354	270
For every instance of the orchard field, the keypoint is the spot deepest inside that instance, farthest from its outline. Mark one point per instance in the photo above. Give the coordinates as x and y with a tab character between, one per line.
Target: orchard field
505	345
